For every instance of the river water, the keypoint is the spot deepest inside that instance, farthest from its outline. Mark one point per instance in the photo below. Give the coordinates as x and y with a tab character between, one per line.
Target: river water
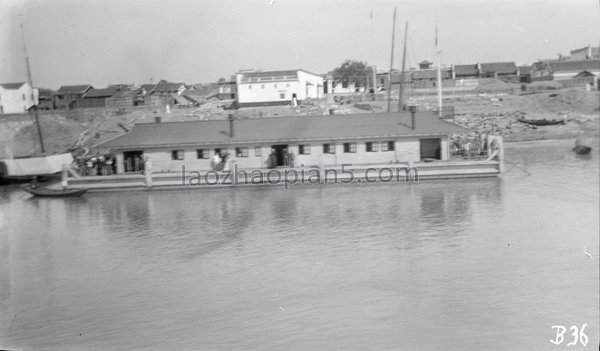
488	264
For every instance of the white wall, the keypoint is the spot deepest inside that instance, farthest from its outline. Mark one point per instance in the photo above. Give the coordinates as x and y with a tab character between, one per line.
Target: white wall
281	90
17	100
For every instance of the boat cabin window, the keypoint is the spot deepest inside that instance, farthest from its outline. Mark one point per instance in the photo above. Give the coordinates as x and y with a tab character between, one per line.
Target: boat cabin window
241	152
387	146
372	146
201	154
177	155
349	147
304	149
329	148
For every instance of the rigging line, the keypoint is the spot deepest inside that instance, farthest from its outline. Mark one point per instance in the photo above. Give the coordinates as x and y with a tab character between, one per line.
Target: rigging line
514	165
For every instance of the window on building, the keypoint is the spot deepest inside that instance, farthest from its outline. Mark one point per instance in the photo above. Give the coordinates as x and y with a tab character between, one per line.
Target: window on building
349	147
249	86
257	151
287	85
329	148
387	146
201	153
305	149
275	86
177	155
372	146
282	96
262	86
241	152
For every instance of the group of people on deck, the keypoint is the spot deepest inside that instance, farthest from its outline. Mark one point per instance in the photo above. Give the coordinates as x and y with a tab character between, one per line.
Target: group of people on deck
219	162
472	146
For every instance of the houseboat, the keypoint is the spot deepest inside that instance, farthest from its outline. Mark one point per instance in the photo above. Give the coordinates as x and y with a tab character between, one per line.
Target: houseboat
354	148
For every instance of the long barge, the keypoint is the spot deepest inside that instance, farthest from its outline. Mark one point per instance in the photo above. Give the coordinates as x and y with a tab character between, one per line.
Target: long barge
363	148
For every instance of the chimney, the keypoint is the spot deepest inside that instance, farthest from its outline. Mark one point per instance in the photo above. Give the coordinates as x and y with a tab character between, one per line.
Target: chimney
157	119
231	118
413	111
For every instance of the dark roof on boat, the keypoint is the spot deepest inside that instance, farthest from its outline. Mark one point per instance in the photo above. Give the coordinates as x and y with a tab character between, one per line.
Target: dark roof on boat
282	129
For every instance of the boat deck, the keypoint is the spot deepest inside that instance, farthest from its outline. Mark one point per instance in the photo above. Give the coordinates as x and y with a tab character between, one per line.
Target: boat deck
287	177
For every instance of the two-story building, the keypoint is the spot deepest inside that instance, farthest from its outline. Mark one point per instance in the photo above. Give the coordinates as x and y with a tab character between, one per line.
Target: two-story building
256	88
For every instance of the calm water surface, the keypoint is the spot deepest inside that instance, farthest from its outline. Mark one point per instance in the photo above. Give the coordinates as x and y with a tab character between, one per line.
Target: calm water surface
453	265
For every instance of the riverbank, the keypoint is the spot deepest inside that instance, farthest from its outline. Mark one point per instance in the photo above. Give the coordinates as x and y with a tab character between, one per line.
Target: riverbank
483	113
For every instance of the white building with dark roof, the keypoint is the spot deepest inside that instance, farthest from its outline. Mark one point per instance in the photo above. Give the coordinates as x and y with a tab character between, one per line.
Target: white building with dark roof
277	87
382	138
17	97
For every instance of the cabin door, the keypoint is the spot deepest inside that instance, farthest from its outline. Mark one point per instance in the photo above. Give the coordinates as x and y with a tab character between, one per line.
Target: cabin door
431	148
281	155
133	161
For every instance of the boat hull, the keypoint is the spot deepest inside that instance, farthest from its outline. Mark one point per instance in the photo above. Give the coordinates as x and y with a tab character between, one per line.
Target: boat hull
541	122
47	192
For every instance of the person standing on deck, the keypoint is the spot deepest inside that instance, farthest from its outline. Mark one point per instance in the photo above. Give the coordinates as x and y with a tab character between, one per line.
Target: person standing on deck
216	159
286	157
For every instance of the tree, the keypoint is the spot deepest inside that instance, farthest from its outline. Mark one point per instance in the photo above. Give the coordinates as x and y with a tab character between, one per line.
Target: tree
352	71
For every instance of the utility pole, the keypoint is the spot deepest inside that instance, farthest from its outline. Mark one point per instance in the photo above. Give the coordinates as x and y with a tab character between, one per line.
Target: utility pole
30	81
403	68
391	63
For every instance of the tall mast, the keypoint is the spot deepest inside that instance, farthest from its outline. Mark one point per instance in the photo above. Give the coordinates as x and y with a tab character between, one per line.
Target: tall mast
439	72
403	68
389	97
30	82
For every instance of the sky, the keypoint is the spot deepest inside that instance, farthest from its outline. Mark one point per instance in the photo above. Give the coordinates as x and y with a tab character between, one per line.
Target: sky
102	42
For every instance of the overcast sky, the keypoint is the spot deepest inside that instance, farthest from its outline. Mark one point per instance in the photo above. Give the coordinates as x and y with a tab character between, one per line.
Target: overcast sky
105	42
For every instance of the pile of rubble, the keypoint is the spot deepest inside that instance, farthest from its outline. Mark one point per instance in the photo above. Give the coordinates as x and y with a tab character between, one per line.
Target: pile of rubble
502	123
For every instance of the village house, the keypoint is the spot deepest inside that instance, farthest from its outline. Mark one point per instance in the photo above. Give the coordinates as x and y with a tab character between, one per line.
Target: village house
227	89
97	97
331	85
564	70
45	100
126	98
465	71
166	93
498	70
69	96
427	78
257	88
586	53
425	65
17	97
524	73
307	140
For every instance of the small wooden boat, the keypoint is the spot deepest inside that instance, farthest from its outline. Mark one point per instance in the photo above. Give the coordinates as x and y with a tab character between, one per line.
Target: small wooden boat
582	146
582	149
541	122
49	192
